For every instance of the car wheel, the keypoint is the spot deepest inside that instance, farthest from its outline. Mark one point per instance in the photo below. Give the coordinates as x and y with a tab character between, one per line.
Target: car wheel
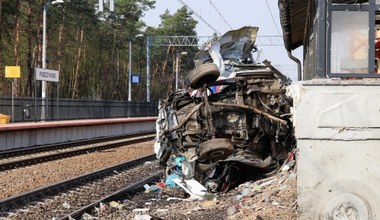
203	74
215	149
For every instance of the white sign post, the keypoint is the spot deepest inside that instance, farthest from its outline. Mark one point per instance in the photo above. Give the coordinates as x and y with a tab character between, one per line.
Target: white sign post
49	76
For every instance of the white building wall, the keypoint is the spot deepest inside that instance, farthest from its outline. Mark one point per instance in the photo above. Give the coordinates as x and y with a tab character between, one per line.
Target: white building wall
337	126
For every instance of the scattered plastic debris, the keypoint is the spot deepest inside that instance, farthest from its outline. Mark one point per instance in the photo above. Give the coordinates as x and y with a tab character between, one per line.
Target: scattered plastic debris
169	180
66	205
174	198
151	188
283	187
116	205
87	216
209	204
242	194
267	199
141	210
193	187
197	208
266	182
142	217
103	207
231	210
160	184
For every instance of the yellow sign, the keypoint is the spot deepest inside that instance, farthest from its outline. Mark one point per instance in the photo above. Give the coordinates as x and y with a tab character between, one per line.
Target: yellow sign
12	71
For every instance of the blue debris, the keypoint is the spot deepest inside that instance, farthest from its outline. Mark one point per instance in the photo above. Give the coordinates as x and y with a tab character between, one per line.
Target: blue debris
169	181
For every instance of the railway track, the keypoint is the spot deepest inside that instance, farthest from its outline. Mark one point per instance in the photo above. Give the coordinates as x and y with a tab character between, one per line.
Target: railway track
71	198
25	157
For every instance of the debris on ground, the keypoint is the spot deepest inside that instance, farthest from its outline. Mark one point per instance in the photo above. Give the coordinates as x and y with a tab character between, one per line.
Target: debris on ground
273	197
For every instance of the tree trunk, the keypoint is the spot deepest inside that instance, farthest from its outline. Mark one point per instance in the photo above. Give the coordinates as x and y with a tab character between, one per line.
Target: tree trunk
16	49
60	38
172	76
166	59
1	49
112	83
77	66
59	51
38	52
30	51
71	79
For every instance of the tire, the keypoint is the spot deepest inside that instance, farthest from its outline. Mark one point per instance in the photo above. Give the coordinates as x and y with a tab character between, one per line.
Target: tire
203	74
215	149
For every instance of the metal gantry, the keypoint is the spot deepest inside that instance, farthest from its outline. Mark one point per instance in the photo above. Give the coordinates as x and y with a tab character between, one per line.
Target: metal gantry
196	41
193	41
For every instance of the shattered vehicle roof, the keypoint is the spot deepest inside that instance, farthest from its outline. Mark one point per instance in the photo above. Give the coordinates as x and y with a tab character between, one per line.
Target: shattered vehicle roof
234	45
233	124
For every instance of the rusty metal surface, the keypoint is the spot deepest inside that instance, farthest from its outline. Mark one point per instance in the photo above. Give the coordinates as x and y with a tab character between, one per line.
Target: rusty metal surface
226	132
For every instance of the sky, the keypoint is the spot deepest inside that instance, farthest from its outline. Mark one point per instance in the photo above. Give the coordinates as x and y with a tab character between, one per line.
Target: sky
237	13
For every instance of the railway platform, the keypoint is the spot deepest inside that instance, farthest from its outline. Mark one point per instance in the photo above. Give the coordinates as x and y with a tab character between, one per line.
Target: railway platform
21	135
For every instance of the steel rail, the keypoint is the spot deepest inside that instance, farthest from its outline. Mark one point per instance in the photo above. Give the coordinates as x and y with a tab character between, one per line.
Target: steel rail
74	152
138	186
32	196
38	149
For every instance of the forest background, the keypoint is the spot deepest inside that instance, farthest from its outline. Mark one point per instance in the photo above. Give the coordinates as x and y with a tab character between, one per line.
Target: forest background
90	48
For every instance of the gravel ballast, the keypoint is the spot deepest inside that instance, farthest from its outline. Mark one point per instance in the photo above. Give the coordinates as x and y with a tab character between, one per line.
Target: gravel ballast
16	181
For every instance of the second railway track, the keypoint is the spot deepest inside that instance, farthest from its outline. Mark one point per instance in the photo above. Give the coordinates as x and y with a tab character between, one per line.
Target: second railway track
26	157
72	197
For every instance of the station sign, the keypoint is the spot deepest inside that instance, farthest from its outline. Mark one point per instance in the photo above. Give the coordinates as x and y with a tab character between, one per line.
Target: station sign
47	75
135	79
12	72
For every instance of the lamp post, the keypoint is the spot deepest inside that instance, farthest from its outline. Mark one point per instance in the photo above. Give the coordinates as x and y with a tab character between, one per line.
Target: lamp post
147	69
178	55
130	68
44	83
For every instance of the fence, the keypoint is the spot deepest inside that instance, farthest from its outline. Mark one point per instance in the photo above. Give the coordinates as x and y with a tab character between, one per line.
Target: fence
71	109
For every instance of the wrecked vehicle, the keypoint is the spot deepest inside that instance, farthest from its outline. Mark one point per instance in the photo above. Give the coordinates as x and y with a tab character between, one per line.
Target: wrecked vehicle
233	125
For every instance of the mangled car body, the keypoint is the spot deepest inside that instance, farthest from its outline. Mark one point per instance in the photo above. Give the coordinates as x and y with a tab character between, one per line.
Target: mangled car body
233	124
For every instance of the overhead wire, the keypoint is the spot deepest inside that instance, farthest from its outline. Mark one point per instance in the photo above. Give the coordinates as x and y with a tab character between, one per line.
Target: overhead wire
220	14
198	16
274	21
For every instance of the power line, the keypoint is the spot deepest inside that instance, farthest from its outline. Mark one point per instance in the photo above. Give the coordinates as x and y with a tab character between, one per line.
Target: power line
220	14
198	16
270	11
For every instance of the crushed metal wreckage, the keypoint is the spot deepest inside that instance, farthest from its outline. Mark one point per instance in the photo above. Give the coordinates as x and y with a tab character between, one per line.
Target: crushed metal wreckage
233	125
